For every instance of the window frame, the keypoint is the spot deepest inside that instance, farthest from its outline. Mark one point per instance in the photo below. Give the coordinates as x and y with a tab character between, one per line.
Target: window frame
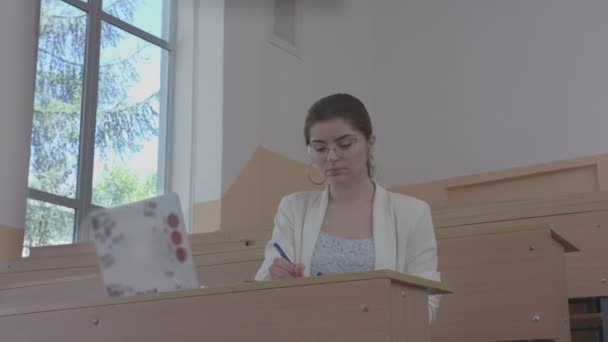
82	201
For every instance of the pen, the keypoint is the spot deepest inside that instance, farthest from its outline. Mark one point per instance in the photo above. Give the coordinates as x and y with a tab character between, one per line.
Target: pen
280	250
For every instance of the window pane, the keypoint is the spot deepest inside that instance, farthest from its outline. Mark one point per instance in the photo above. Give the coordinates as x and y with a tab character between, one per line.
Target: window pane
47	224
129	106
147	15
57	102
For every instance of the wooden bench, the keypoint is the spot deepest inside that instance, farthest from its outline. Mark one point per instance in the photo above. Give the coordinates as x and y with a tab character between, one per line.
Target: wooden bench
89	286
219	238
581	219
39	269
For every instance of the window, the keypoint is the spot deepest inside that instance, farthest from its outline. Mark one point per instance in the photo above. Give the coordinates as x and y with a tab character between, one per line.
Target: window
100	112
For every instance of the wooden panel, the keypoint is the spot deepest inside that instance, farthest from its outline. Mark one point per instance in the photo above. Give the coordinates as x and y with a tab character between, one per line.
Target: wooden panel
206	216
228	274
90	286
581	219
586	321
197	241
62	250
206	255
536	181
225	236
463	214
54	291
568	181
10	278
11	242
22	265
330	312
407	316
251	201
41	269
241	204
587	270
466	231
336	302
585	336
500	283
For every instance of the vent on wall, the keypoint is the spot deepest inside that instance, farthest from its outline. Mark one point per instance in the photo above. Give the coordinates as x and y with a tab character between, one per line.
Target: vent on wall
285	25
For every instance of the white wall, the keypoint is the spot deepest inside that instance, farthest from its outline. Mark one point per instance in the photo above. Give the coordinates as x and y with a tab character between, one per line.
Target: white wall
18	38
476	85
337	54
208	70
196	147
267	90
244	24
454	86
181	146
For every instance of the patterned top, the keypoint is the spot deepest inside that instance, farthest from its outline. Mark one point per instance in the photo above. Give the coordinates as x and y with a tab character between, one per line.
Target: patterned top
338	255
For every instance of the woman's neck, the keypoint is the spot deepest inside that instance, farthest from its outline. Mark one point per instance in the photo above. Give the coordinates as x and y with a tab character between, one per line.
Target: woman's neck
361	190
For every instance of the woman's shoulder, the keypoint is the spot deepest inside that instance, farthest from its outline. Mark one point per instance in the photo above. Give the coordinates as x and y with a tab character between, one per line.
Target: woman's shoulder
407	208
301	198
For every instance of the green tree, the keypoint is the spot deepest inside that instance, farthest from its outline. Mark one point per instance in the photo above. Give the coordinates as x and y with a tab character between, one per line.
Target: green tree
121	129
46	224
121	185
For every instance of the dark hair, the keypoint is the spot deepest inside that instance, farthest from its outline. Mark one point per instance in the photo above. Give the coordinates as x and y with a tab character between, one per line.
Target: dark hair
341	106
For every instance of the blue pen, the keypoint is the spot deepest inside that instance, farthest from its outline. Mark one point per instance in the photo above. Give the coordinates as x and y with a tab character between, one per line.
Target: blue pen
280	250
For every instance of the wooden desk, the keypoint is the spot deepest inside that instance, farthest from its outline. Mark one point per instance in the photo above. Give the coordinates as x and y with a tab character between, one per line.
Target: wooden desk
509	284
581	219
374	306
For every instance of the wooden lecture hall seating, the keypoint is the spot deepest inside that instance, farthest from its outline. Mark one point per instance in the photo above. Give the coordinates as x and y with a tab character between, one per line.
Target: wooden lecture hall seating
522	257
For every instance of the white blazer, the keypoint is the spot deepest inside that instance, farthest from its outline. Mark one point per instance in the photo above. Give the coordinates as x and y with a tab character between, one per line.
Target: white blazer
404	237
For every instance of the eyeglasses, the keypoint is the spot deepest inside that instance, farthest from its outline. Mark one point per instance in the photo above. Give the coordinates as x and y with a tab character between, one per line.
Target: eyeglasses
343	148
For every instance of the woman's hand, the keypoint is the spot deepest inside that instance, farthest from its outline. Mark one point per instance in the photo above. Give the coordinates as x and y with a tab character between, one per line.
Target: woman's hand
282	269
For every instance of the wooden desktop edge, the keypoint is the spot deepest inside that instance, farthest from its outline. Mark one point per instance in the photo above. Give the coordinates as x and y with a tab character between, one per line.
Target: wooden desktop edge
65	279
452	233
459	214
95	264
433	287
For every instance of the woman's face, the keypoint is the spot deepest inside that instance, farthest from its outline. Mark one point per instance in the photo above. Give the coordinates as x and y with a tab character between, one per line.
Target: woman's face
339	151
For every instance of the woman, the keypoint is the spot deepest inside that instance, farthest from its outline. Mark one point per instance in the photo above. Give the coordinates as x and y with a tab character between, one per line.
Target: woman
355	225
